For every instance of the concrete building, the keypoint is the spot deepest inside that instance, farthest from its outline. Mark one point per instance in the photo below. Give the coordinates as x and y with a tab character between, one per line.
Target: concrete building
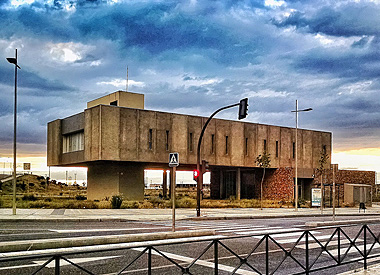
117	139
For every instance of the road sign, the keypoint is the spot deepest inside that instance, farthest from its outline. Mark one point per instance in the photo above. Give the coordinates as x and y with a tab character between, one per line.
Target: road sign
173	159
26	166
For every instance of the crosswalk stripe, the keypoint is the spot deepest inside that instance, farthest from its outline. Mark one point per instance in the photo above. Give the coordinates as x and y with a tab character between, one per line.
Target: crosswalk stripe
352	250
99	230
258	230
201	262
319	238
269	231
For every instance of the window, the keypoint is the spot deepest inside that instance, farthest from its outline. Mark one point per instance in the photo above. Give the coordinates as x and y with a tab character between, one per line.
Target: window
246	146
294	150
226	145
265	145
167	141
276	148
324	149
191	142
150	139
73	142
114	103
212	143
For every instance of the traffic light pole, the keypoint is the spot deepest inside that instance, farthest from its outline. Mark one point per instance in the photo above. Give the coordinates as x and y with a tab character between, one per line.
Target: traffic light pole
200	178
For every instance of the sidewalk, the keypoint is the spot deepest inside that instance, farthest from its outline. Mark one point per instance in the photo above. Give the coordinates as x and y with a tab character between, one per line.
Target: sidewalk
166	214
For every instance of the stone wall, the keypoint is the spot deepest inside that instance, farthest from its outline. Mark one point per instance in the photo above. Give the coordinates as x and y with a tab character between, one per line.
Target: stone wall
278	184
345	176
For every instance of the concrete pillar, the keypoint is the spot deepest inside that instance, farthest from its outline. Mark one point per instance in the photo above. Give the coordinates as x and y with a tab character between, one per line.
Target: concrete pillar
221	180
165	184
170	186
106	178
238	184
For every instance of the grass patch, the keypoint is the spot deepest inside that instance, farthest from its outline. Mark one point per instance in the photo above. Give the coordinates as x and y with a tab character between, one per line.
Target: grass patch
76	199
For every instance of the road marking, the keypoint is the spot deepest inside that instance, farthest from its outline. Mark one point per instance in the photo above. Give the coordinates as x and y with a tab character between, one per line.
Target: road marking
248	230
269	231
76	261
352	250
62	262
319	238
99	230
201	262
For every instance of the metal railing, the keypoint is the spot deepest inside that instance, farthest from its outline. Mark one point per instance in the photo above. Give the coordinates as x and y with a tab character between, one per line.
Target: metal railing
264	255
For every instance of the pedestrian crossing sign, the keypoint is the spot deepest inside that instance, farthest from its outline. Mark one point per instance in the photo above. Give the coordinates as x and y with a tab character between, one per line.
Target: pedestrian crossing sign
173	159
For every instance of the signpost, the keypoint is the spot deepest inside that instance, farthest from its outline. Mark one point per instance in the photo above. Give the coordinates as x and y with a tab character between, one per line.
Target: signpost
173	163
26	166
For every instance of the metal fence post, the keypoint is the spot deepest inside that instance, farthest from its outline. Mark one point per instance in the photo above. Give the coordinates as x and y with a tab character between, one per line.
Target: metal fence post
216	257
149	260
339	262
266	254
56	259
365	246
307	251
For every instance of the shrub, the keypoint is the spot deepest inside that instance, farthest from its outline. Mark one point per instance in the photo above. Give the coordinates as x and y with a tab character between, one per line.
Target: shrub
185	202
80	197
130	204
29	198
116	201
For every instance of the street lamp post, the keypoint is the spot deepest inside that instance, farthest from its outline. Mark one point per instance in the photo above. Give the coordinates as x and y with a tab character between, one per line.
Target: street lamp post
13	60
243	108
296	153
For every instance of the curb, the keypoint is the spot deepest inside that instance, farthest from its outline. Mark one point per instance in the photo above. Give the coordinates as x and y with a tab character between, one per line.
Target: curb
363	221
277	216
97	240
64	219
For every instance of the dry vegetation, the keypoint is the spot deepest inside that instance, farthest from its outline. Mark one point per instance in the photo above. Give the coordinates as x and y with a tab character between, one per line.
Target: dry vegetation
33	192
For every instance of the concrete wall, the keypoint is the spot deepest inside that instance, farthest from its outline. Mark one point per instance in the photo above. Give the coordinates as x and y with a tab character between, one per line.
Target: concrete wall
54	143
124	99
106	179
122	134
122	141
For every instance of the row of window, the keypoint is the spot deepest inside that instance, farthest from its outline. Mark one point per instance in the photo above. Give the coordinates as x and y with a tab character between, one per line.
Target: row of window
226	148
75	142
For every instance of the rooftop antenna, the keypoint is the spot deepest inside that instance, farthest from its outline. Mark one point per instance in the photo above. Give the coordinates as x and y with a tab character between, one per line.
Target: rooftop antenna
126	84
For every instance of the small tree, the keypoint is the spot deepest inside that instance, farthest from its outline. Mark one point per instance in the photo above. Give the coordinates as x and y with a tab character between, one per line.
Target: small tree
324	157
263	161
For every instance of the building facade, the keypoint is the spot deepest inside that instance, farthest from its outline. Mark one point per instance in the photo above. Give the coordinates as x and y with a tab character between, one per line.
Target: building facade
117	142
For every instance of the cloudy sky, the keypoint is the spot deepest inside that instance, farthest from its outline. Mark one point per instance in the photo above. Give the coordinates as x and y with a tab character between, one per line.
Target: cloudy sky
193	57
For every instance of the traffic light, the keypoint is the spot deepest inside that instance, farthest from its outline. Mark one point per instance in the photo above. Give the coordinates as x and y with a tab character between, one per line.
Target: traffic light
243	108
205	166
195	174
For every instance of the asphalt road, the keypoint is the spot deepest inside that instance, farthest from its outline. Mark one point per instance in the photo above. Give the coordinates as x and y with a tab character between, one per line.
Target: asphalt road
228	250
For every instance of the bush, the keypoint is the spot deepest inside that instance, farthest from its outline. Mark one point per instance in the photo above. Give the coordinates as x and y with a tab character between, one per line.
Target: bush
185	202
116	201
80	198
29	198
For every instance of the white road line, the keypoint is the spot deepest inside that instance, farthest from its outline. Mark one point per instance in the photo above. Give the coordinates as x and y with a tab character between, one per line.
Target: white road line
319	238
352	250
99	230
258	230
201	262
332	243
269	231
76	261
62	262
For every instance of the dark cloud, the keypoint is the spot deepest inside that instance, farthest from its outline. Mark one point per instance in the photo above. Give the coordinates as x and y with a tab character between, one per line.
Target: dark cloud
31	80
196	57
351	19
361	43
